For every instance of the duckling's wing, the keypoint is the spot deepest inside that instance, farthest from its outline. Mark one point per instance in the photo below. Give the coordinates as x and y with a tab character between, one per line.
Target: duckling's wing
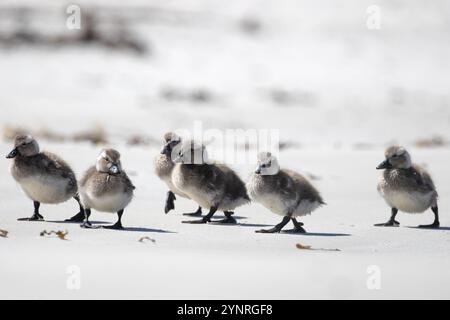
54	165
127	182
213	177
234	184
422	178
284	183
304	188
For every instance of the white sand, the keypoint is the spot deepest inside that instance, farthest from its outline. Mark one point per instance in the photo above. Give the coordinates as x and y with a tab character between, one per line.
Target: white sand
208	261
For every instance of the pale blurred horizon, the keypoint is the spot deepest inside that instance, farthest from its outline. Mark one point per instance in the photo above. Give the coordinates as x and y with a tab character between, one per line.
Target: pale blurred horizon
311	69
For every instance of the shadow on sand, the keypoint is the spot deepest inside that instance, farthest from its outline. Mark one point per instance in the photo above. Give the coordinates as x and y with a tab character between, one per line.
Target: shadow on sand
100	224
316	234
79	223
140	229
431	229
254	225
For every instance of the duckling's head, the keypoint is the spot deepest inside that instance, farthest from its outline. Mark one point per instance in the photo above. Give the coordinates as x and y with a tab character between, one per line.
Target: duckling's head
396	158
267	164
190	152
109	162
171	140
24	145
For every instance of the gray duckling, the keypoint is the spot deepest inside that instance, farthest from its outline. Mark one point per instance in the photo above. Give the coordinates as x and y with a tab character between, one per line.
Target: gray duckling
43	176
406	187
212	185
105	187
163	169
284	192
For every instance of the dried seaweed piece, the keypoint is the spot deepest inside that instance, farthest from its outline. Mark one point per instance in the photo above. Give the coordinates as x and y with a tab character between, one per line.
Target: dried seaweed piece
3	233
305	247
143	239
60	234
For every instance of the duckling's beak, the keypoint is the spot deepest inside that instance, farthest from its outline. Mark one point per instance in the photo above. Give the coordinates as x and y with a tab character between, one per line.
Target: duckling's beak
384	165
12	154
166	150
115	169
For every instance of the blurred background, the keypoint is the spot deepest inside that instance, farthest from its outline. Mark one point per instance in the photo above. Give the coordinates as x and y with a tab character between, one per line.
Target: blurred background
313	69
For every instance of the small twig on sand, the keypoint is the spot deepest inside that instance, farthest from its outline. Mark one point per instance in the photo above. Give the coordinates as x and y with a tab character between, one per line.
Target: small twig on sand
60	234
3	233
303	247
143	239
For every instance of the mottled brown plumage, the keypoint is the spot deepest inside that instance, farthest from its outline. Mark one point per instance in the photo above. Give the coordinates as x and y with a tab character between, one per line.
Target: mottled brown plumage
212	185
164	166
406	186
103	190
44	177
284	192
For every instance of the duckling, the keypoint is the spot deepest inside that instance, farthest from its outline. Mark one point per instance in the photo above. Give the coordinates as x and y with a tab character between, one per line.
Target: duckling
406	187
106	187
284	192
43	176
211	185
163	169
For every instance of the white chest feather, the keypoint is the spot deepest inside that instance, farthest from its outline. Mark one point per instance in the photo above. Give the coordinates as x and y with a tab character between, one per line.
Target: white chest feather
46	189
272	202
112	203
410	202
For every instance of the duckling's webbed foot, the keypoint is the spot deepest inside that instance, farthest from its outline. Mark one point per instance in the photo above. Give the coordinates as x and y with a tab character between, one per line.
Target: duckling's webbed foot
170	202
79	217
228	219
436	223
86	223
205	219
277	228
298	227
392	222
36	216
197	213
118	224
